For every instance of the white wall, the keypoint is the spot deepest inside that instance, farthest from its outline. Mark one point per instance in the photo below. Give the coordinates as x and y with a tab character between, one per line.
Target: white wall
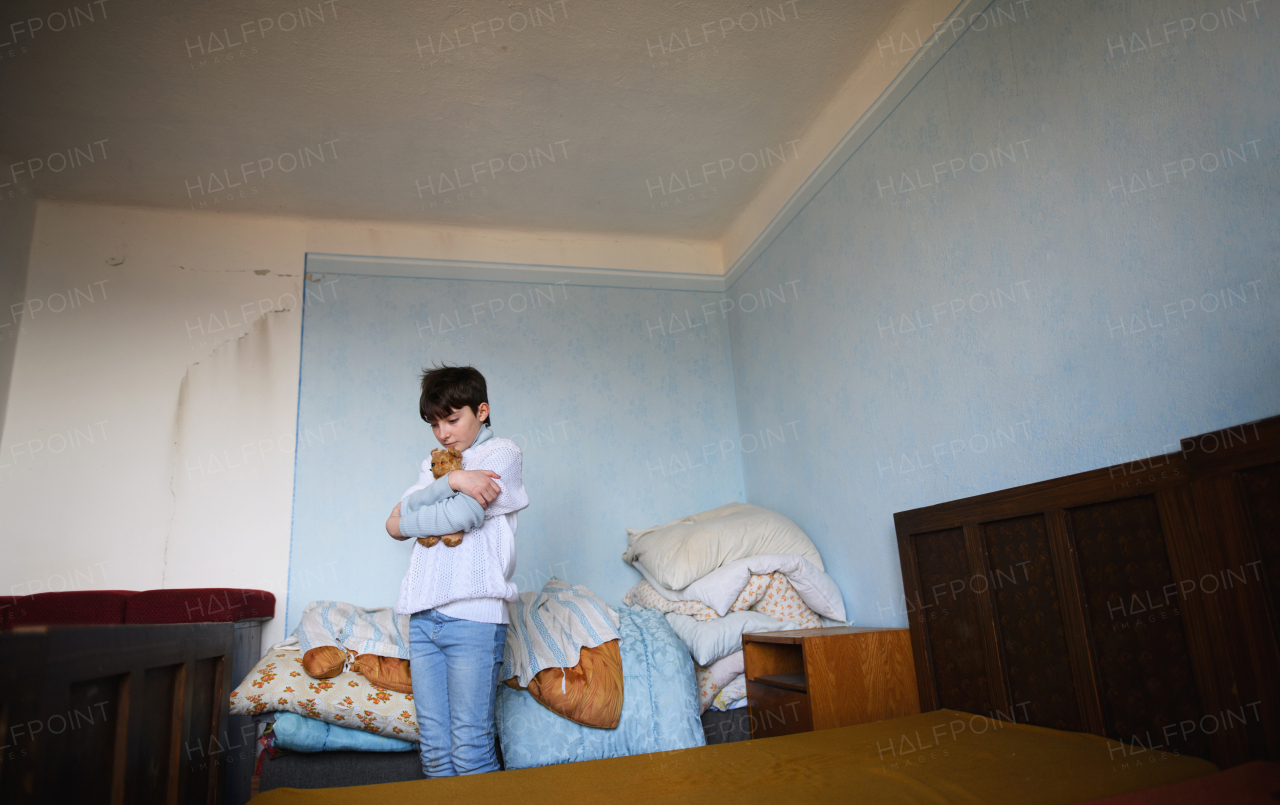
100	477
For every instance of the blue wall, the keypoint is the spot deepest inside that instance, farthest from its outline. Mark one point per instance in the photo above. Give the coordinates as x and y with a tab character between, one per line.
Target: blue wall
1058	253
970	319
611	401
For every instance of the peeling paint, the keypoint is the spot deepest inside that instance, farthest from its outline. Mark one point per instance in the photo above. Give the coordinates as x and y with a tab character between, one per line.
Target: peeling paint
248	355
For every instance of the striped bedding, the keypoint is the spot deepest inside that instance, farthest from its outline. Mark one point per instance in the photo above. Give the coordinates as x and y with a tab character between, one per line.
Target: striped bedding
549	629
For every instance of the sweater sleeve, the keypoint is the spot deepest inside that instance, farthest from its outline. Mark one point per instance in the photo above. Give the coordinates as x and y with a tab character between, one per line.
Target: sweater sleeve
461	512
428	495
505	460
456	513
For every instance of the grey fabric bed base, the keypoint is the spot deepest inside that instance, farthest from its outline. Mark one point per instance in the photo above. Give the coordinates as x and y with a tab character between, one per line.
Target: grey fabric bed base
338	769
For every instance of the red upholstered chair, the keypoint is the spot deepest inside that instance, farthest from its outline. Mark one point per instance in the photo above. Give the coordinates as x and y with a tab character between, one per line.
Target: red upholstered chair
77	607
199	605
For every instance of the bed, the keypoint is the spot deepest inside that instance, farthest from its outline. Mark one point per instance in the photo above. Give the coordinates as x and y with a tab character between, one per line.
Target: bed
943	756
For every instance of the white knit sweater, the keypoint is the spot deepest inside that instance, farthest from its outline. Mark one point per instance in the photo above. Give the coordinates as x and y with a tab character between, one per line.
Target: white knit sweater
473	580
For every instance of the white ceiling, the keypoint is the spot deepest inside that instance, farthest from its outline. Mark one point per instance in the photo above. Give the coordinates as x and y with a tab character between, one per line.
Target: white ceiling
591	77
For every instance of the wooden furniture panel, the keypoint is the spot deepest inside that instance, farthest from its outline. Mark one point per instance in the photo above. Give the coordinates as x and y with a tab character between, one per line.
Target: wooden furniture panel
950	623
1203	616
1253	571
1033	638
1260	493
767	659
777	711
825	678
1150	599
1235	485
1084	669
866	678
115	713
95	711
162	691
1136	621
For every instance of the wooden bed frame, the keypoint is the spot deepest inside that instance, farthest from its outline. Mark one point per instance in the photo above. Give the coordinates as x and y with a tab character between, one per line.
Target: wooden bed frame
1138	602
125	713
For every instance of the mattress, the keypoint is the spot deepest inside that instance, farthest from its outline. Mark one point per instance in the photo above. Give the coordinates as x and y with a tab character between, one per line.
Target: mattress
943	756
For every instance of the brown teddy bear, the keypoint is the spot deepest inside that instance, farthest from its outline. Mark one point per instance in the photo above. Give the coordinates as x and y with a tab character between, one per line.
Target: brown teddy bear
443	461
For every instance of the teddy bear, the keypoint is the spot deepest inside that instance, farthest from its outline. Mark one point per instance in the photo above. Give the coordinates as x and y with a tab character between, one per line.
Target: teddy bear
443	461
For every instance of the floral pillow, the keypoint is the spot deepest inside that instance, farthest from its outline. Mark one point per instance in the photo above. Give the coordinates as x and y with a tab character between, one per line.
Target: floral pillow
278	683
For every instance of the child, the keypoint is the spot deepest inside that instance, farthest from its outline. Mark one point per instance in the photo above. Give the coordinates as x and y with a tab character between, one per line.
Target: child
457	597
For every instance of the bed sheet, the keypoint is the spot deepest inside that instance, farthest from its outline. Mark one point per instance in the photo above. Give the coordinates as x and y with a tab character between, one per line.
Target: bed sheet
940	757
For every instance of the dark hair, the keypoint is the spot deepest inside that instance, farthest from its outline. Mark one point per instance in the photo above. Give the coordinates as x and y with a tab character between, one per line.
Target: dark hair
445	388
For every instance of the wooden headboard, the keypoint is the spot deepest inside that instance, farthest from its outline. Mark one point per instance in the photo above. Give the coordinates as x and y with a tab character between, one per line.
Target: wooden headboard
1139	602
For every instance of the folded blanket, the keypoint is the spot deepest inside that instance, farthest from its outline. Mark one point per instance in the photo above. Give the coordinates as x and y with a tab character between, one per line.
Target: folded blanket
721	588
302	734
732	695
365	631
711	640
771	594
549	629
716	677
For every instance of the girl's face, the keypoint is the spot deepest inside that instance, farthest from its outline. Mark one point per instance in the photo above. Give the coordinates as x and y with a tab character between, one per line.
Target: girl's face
460	428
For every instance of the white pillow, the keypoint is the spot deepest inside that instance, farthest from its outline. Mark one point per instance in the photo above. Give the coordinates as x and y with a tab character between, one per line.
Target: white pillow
717	638
682	551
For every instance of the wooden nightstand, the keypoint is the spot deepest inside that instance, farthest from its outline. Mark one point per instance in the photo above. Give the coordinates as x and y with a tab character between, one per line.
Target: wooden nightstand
816	679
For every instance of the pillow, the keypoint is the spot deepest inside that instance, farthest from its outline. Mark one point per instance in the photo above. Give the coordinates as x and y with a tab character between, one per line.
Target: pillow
391	673
302	734
324	662
713	640
278	683
589	693
683	551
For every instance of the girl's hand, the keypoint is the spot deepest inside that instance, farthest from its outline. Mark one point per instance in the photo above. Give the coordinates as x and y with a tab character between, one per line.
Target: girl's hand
477	484
393	523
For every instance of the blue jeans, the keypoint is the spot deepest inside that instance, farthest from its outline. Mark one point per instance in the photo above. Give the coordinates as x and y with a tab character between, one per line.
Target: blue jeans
454	665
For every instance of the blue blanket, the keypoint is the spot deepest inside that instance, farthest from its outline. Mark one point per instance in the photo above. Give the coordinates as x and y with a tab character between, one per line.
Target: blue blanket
302	734
659	705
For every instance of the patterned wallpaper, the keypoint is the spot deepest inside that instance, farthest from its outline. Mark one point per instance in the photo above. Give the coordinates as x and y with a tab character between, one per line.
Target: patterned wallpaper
1059	252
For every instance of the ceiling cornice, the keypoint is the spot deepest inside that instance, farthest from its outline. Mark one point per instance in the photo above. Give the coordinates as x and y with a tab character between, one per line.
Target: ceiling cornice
867	98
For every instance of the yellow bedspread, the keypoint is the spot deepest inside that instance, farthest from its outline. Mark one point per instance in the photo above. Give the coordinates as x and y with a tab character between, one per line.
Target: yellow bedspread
939	757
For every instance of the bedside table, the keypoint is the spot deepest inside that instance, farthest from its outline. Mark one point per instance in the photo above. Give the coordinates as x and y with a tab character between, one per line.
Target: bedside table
817	679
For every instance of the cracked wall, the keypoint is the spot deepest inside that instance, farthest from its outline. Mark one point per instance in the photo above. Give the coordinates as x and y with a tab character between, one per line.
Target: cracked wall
136	452
17	219
233	460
